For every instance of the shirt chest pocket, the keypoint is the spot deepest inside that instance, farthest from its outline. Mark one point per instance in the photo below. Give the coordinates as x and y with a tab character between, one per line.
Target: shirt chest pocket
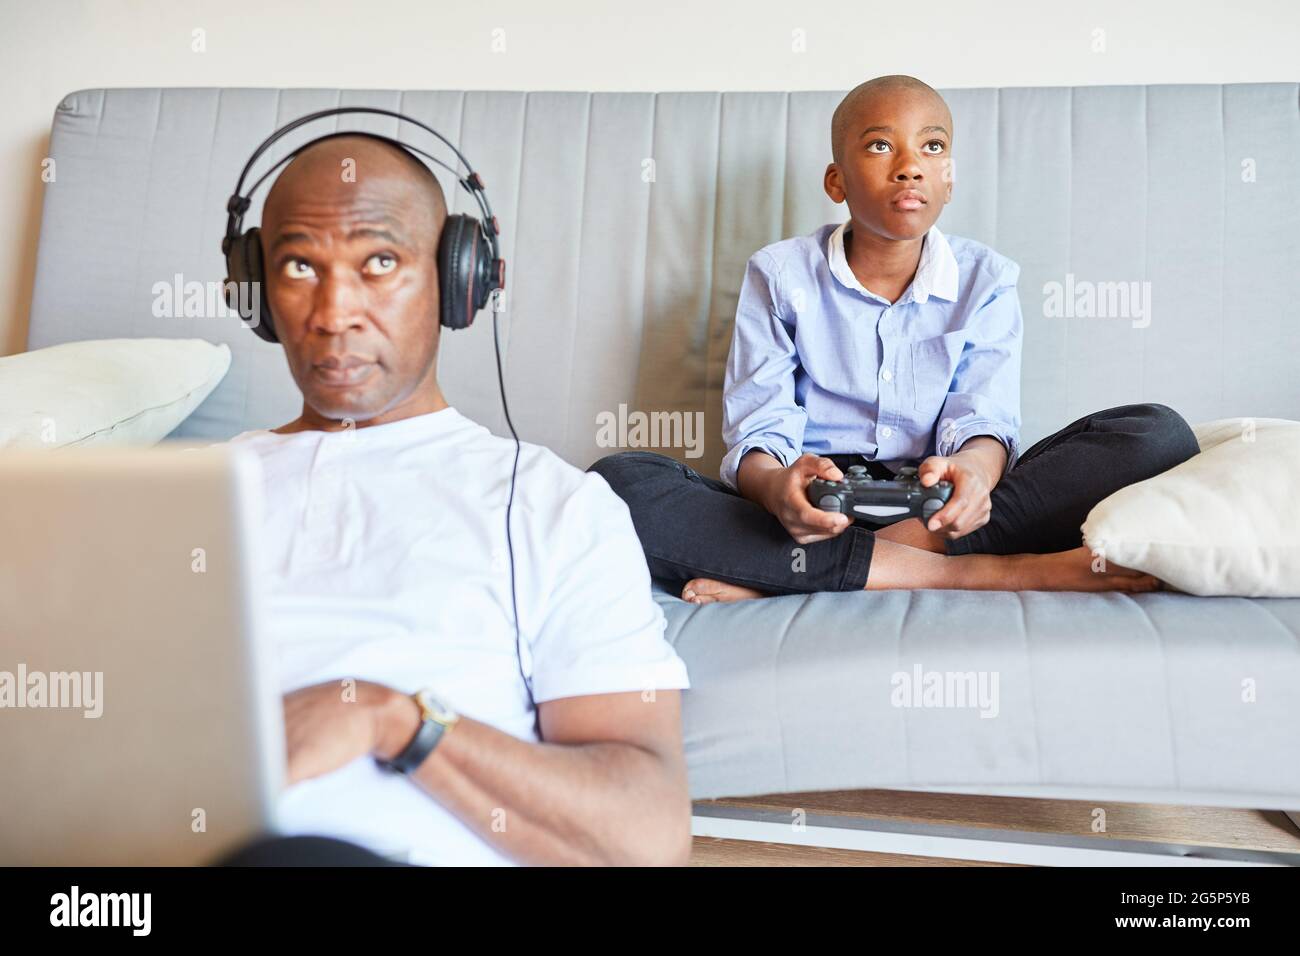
934	361
835	367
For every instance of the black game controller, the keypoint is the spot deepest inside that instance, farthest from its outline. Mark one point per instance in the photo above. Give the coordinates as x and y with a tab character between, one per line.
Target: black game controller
881	501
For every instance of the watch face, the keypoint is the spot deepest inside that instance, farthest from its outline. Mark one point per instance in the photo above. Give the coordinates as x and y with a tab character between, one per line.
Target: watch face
435	708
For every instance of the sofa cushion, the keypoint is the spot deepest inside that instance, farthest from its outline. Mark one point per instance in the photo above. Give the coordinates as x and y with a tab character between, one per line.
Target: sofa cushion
1226	521
105	391
1163	698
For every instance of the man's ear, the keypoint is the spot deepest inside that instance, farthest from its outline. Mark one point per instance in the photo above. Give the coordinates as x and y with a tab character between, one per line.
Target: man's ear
832	184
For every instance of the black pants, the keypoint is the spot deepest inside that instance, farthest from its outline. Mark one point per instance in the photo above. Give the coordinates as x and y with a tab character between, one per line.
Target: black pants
692	526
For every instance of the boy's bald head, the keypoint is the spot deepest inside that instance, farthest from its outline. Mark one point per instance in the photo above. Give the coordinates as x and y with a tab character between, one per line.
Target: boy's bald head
891	139
845	123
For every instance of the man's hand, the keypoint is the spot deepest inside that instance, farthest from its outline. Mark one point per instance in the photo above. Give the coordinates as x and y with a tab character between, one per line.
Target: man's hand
785	494
970	505
329	725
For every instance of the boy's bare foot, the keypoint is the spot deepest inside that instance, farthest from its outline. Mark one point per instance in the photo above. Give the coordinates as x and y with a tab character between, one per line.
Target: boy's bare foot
1062	571
895	565
1073	571
709	591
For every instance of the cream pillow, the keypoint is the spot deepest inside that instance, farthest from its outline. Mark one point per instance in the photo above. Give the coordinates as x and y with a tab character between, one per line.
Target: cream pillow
105	391
1226	521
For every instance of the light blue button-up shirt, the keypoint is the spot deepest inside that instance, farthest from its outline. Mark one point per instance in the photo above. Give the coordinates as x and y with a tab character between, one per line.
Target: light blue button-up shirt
819	363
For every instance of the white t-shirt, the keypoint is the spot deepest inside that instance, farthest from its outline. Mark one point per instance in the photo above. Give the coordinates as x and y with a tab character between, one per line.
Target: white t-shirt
383	557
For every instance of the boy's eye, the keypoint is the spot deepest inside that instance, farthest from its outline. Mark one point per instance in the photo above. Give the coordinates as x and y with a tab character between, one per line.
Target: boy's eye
298	269
877	142
380	264
936	142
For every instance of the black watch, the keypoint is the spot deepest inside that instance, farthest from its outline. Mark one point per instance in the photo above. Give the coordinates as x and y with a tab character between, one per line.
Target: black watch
438	719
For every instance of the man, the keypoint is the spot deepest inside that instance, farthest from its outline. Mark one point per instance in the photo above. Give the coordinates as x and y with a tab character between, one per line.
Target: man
388	571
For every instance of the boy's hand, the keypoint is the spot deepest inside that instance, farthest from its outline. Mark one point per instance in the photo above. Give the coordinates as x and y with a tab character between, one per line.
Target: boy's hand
970	505
787	499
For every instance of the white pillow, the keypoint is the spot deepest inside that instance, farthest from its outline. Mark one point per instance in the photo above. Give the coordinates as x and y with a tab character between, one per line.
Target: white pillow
105	391
1226	521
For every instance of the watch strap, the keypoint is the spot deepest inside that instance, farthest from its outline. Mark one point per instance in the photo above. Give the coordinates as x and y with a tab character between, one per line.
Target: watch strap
418	750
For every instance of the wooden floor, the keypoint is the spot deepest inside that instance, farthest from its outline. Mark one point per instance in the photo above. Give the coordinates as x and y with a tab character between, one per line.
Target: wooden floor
709	851
1156	823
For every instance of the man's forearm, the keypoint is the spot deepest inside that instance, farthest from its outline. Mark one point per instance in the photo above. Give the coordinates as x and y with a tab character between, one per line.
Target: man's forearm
556	804
987	454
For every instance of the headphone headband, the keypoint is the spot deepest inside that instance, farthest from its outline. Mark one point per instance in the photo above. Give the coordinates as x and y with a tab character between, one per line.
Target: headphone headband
471	182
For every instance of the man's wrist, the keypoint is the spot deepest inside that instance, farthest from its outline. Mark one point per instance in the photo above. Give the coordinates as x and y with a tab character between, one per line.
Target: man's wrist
397	719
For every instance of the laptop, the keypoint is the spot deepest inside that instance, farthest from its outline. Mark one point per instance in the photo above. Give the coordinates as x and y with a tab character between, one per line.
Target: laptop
140	723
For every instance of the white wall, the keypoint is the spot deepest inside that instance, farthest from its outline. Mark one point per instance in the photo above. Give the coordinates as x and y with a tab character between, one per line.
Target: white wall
51	47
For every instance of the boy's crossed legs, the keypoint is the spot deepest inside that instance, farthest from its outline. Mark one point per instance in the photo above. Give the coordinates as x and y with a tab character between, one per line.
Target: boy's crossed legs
715	545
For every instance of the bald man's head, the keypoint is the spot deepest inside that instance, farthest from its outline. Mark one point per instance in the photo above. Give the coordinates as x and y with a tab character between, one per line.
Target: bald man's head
845	123
344	159
350	234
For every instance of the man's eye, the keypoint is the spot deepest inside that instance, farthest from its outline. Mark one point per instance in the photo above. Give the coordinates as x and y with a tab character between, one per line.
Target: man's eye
380	264
936	142
298	269
877	142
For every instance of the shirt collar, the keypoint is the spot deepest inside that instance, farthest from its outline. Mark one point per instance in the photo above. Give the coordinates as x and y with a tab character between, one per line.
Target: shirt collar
936	273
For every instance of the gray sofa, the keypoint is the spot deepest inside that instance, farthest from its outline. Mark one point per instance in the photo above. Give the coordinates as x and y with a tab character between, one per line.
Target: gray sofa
628	219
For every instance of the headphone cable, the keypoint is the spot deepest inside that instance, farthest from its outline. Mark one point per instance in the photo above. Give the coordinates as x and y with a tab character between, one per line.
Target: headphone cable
514	468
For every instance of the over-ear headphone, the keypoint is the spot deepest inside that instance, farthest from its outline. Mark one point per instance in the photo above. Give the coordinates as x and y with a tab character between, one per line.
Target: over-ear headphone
470	267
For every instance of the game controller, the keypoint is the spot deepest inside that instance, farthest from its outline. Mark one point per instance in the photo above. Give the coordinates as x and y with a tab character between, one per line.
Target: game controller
882	501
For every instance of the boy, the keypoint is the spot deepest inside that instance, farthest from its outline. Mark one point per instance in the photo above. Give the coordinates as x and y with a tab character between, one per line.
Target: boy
880	342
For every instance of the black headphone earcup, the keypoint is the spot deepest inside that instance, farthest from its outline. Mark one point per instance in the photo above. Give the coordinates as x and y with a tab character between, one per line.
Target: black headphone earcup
463	256
245	279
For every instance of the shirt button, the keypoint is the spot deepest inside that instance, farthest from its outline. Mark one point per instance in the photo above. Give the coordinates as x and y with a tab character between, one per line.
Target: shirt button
886	432
887	375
